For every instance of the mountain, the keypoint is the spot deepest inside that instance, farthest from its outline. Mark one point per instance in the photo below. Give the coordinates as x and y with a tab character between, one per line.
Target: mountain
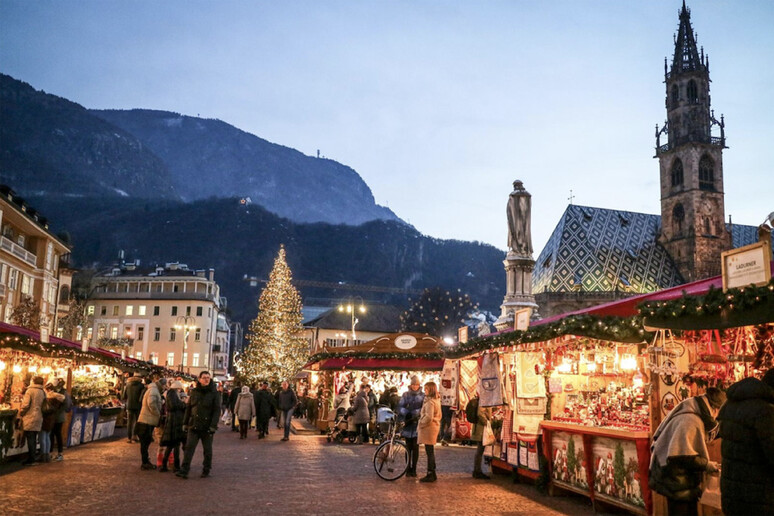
212	158
238	240
53	146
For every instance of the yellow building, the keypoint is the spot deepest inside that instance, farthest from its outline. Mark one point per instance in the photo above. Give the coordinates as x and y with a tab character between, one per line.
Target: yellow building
168	314
30	257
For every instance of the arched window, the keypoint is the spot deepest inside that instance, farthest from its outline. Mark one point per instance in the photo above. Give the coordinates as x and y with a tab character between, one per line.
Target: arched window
707	228
678	216
64	295
675	95
692	91
706	173
677	173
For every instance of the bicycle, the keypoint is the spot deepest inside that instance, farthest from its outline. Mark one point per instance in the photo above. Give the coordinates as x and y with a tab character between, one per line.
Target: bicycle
391	457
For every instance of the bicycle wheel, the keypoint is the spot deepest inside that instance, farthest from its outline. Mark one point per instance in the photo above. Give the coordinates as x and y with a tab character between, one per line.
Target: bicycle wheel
391	460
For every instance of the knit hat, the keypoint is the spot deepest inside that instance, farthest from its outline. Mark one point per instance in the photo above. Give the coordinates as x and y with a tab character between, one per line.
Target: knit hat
245	389
415	380
177	385
768	378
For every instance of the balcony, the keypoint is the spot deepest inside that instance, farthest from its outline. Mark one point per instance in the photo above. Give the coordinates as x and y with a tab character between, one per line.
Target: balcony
194	296
18	251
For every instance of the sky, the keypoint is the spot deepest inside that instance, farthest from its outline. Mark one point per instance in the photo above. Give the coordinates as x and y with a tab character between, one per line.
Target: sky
439	105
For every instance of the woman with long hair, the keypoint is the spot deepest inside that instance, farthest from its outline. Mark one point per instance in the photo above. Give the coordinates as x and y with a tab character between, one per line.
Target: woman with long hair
428	427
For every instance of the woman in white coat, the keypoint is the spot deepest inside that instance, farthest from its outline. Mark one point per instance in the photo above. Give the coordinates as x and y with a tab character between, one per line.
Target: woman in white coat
428	427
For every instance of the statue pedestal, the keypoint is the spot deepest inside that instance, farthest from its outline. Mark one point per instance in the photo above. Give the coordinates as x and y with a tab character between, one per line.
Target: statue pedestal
518	272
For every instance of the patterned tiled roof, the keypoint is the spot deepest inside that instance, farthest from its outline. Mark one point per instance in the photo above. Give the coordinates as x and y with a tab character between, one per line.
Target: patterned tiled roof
611	250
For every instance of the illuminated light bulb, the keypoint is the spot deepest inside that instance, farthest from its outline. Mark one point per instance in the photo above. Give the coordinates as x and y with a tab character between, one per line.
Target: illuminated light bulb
2	365
17	368
628	363
45	370
33	369
591	366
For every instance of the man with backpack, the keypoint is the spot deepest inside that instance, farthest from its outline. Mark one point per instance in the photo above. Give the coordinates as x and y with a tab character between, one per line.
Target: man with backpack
479	417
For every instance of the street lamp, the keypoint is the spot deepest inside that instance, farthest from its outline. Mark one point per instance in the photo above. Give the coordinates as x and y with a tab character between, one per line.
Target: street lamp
185	323
351	308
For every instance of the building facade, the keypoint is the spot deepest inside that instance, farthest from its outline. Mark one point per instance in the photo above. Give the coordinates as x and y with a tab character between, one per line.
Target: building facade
32	260
167	315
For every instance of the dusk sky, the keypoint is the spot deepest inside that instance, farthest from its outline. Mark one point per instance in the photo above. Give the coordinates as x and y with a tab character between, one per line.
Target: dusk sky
438	105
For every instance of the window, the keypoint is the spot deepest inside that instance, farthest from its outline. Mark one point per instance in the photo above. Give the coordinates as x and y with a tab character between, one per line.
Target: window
115	309
692	91
103	310
174	310
677	173
140	332
199	311
25	284
195	360
198	335
156	334
156	310
209	312
64	295
90	310
139	355
187	310
678	216
49	257
172	334
170	359
13	277
128	331
208	335
21	240
154	357
675	95
101	329
175	288
185	358
89	333
113	332
706	173
129	310
141	310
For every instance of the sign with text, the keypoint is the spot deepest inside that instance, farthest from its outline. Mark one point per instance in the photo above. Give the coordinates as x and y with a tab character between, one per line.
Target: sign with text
462	334
521	319
746	265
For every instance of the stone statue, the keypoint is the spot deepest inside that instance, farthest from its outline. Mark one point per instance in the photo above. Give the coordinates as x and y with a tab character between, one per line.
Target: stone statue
519	223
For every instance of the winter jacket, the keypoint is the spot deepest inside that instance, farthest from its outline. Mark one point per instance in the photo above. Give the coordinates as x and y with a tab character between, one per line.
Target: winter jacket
372	402
232	398
429	421
245	405
32	416
55	401
484	416
287	400
203	409
360	409
64	407
747	430
679	455
173	428
394	401
150	413
264	405
133	393
408	411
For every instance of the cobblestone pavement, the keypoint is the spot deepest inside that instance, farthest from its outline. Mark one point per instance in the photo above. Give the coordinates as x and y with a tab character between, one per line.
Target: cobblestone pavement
305	475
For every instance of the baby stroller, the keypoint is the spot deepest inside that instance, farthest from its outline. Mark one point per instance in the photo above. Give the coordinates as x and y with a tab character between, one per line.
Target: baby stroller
385	418
341	428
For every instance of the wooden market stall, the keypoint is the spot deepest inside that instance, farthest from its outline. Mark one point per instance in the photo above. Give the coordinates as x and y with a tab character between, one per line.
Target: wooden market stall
387	361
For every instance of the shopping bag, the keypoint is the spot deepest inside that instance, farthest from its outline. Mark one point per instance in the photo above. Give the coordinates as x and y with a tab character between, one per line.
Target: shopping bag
711	494
489	436
461	429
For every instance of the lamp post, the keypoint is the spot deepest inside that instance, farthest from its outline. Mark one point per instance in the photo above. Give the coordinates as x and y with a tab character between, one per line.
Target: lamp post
351	308
185	323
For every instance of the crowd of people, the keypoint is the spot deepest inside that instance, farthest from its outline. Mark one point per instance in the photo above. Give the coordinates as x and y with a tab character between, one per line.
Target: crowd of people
43	412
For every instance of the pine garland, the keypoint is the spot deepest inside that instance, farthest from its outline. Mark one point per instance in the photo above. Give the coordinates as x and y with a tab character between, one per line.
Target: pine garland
317	357
616	329
277	349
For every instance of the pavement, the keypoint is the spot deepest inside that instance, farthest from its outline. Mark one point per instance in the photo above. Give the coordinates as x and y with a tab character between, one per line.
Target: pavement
305	475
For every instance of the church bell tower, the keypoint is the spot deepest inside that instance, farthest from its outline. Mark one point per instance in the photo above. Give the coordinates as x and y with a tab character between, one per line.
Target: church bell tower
693	227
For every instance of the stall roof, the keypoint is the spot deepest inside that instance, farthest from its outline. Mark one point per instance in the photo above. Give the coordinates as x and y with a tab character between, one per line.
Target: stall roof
404	351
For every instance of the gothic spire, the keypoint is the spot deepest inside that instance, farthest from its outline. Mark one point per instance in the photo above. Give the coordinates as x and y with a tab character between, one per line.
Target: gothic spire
686	56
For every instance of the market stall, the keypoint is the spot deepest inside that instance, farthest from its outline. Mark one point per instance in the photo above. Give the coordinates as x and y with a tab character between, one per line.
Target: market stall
387	361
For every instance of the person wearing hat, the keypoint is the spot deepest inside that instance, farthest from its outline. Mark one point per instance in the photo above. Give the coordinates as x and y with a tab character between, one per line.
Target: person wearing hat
679	455
173	434
244	410
747	430
409	410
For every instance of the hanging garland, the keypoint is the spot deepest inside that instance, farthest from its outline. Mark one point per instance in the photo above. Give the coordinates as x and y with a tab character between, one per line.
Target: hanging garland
317	357
713	303
616	329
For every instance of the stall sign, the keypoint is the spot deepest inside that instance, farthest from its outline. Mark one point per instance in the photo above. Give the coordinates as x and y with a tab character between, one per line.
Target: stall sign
462	334
405	341
746	265
521	319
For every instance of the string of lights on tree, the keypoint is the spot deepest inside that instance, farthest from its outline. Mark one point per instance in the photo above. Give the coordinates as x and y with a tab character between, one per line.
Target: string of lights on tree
438	312
616	329
276	349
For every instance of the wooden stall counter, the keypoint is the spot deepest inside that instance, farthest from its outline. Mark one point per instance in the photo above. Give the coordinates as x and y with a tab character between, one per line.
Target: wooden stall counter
608	465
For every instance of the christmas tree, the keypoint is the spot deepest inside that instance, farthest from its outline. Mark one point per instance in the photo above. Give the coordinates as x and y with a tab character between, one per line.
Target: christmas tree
276	348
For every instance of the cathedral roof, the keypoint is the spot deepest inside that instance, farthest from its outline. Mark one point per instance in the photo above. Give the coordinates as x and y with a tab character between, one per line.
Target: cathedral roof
611	250
686	57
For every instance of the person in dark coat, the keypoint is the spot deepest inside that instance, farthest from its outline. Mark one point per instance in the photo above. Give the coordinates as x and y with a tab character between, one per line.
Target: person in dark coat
394	399
133	392
360	416
264	408
61	414
201	423
747	430
679	455
173	428
287	401
409	410
232	399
